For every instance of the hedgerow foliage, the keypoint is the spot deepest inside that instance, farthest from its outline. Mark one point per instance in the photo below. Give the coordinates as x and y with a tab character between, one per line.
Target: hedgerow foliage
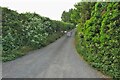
98	40
21	32
98	34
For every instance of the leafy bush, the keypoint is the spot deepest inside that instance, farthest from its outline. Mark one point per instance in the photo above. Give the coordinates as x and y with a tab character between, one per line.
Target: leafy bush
28	30
98	40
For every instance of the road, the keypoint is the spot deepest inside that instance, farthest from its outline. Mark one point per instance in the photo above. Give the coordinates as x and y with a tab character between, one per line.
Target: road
57	60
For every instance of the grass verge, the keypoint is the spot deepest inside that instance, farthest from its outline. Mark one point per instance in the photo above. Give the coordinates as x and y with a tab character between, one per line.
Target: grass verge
26	49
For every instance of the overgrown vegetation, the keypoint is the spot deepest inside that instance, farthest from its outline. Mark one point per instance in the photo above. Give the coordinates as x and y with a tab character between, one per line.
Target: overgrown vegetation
24	32
98	34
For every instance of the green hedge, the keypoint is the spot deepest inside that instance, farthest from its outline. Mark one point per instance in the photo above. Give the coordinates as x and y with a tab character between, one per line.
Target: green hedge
98	40
28	31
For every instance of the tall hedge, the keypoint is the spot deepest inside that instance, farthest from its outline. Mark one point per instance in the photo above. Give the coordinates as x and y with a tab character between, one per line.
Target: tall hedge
98	40
23	32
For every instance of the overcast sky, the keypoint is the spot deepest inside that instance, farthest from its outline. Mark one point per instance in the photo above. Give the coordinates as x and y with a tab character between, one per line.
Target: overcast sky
48	8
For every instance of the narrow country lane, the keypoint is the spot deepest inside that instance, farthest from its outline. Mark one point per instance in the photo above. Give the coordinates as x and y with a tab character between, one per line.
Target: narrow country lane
57	60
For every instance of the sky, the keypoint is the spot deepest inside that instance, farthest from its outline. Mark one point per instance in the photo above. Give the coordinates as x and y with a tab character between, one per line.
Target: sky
48	8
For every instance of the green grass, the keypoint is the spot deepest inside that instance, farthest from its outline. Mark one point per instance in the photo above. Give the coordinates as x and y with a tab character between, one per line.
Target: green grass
0	52
17	53
26	49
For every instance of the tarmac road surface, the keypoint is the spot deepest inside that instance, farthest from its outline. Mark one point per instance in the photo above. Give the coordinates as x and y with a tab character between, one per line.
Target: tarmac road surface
57	60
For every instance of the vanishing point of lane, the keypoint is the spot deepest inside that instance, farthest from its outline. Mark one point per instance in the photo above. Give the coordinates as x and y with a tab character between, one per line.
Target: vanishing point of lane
57	60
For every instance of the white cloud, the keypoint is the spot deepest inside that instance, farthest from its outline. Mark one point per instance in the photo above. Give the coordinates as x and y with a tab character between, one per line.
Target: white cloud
48	8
